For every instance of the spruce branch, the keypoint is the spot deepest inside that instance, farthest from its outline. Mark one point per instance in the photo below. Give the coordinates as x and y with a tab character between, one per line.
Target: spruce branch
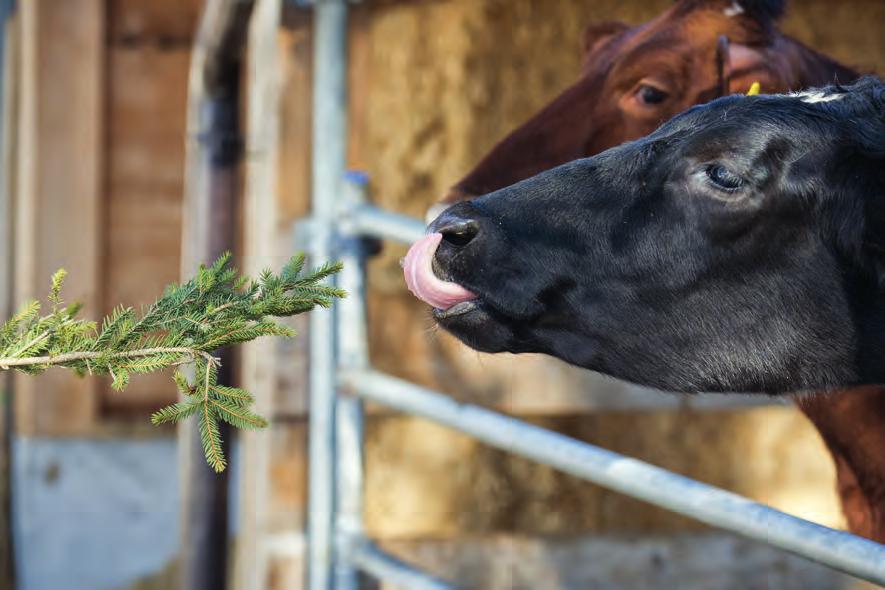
217	308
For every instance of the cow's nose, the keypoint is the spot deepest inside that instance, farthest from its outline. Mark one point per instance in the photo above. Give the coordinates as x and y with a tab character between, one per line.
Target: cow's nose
455	195
456	229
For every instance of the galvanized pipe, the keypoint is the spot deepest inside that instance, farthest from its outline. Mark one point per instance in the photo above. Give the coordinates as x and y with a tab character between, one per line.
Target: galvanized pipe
329	160
837	549
383	566
353	354
349	529
378	223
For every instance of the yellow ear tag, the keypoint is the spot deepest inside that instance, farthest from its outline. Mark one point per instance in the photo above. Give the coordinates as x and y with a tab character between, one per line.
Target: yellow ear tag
755	87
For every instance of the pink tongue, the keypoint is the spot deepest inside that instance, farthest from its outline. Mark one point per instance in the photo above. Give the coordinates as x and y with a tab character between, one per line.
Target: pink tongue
421	280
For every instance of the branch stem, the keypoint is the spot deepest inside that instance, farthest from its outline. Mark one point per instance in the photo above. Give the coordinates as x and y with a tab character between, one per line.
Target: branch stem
6	363
32	343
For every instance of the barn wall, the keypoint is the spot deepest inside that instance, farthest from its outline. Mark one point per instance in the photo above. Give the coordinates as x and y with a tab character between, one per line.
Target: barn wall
100	164
99	182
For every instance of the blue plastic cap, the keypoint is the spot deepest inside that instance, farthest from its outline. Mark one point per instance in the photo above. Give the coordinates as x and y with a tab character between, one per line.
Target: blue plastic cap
357	177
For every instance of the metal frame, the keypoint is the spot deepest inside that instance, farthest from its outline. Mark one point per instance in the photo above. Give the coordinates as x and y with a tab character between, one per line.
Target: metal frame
341	377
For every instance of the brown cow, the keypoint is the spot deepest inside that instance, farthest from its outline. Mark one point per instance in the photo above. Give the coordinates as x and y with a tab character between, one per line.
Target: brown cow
634	78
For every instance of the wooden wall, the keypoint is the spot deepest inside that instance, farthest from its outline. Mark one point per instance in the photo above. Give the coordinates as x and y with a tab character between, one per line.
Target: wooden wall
148	54
100	164
59	188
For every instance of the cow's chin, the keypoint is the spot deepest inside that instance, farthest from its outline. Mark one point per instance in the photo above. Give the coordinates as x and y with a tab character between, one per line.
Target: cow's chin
485	329
478	326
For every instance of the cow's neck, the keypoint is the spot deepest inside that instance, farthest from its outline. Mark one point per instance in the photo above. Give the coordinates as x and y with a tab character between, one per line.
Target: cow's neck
852	424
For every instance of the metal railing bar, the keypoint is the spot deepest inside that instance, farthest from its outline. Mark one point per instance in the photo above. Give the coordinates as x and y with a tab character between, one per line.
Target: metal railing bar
349	479
353	353
371	221
328	167
387	568
837	549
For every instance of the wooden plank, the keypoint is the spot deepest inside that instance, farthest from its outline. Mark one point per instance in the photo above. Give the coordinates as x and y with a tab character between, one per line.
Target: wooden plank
58	218
359	72
8	130
162	23
10	41
258	362
147	104
295	117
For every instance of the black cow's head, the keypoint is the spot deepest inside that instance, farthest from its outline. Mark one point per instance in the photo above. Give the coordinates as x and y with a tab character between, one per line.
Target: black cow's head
740	247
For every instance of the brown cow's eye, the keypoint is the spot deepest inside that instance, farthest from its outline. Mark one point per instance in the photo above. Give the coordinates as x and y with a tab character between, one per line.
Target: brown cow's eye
723	178
651	95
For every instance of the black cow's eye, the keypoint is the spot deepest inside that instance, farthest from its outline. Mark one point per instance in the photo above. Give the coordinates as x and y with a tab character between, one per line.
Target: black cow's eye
723	178
650	95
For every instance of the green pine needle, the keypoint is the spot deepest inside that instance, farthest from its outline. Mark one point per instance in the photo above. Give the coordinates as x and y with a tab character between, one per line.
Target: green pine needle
211	439
237	416
217	308
176	412
233	395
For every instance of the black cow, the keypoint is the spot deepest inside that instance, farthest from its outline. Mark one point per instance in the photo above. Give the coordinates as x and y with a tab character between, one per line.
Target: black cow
740	247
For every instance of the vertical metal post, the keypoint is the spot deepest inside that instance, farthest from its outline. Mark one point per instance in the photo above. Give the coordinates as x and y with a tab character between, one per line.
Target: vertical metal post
329	161
352	354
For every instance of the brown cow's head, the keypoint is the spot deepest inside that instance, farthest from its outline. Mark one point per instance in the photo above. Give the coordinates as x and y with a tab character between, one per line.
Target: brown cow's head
635	78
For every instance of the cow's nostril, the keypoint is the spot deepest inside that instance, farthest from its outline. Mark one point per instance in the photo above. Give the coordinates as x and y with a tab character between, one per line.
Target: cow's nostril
458	231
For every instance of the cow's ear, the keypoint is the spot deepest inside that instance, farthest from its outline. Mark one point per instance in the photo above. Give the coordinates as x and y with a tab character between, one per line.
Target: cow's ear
874	151
763	11
873	248
856	169
862	106
597	34
869	162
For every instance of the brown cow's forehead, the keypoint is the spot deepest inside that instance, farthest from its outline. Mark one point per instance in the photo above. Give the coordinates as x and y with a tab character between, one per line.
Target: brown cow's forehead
680	47
691	35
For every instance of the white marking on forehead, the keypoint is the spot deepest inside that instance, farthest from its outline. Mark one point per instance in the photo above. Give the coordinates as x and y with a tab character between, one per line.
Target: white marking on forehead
733	10
815	96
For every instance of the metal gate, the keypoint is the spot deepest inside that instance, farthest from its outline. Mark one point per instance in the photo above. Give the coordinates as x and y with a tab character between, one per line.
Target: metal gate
341	378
